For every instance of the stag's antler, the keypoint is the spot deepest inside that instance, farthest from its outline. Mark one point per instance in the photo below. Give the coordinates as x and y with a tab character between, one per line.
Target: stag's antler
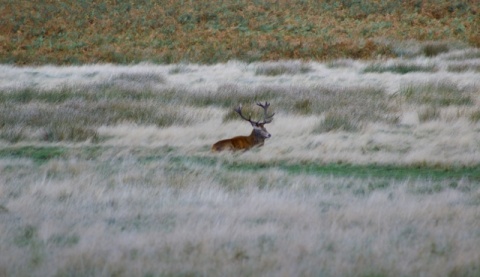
239	111
266	118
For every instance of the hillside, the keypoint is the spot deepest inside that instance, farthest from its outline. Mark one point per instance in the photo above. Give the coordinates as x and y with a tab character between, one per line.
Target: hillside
78	32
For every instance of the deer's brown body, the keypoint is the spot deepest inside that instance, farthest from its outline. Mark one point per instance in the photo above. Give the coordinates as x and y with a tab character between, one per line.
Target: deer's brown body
255	139
239	143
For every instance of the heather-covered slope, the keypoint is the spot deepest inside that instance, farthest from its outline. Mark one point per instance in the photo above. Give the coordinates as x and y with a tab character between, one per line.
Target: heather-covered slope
170	31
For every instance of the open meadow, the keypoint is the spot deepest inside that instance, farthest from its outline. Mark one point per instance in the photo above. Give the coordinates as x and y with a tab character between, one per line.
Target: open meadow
373	168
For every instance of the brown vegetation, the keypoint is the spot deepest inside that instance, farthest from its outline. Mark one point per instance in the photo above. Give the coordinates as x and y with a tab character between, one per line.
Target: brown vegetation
117	31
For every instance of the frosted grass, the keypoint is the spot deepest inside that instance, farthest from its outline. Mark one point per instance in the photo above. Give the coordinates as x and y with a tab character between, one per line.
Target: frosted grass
212	76
121	223
136	208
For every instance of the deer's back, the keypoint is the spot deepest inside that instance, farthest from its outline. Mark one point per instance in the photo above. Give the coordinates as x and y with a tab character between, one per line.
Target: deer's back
236	143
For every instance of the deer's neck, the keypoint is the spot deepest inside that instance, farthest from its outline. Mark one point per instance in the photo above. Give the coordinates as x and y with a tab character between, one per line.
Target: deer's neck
256	138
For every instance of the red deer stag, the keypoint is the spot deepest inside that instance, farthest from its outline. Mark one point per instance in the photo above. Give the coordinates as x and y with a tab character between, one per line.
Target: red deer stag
256	138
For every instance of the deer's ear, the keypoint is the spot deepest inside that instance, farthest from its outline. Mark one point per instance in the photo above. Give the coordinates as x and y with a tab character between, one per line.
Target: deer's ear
254	124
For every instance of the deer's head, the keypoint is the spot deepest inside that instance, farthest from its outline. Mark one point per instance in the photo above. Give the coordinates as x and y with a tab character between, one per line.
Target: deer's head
259	129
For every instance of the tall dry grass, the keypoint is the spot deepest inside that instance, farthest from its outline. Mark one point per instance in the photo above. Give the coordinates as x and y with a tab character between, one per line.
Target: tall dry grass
106	170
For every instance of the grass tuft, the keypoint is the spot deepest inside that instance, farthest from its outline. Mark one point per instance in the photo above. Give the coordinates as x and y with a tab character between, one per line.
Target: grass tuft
434	49
281	68
13	133
178	69
61	240
69	131
141	78
26	236
475	116
399	68
303	106
336	121
37	154
463	67
429	113
468	54
437	94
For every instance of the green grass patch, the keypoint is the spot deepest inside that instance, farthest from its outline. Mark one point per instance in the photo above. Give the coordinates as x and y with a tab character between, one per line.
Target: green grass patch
342	169
42	154
386	171
57	95
176	163
38	154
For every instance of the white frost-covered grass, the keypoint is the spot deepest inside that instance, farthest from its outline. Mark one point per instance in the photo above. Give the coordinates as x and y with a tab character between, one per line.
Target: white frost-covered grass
150	200
122	217
114	216
344	73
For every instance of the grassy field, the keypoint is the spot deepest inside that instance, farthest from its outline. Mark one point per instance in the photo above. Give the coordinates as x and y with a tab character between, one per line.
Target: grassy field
108	111
373	168
167	31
